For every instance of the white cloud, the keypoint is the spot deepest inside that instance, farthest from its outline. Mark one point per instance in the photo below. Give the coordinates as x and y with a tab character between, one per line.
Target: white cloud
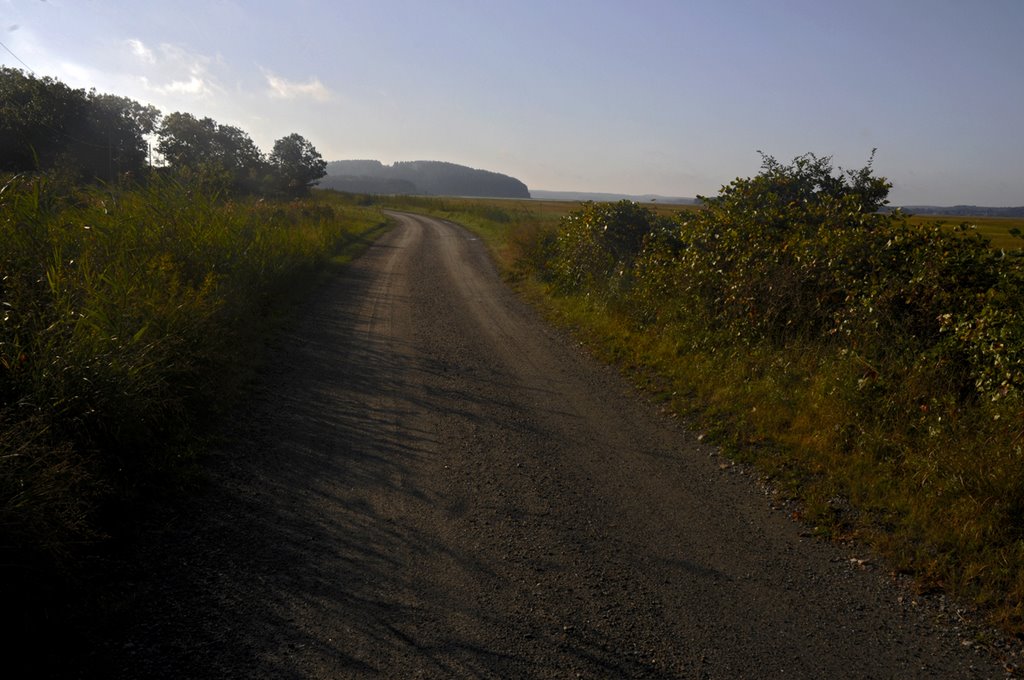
77	75
140	50
193	86
176	71
286	89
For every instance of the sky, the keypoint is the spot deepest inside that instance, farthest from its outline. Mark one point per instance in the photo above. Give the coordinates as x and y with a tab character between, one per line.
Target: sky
671	97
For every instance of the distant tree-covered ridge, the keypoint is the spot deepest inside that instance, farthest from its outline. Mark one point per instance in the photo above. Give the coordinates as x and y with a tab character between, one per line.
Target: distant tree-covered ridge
435	178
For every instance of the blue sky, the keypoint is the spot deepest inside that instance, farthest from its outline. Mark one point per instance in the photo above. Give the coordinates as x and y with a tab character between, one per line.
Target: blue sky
636	97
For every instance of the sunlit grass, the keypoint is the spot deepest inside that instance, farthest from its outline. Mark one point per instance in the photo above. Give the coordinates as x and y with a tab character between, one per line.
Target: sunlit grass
996	229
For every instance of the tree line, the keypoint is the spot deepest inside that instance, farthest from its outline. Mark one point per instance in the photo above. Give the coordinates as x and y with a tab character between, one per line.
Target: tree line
46	125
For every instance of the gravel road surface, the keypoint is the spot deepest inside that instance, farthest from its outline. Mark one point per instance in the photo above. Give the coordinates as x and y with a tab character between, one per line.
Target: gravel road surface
429	482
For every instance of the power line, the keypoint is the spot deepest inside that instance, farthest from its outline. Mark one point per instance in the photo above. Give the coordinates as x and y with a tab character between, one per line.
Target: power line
18	58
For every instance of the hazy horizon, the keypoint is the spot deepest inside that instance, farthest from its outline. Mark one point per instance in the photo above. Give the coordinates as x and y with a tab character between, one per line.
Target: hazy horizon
663	97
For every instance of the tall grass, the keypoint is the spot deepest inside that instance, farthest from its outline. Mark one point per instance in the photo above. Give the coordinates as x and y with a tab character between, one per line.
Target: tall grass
124	316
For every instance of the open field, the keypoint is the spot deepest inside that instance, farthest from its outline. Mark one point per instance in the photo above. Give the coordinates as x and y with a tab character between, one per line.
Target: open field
995	229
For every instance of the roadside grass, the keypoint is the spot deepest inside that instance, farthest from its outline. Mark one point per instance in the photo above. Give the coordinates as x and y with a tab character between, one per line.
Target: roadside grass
887	460
129	318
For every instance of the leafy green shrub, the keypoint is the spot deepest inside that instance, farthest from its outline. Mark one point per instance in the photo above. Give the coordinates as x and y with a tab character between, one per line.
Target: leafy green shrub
798	255
595	247
757	255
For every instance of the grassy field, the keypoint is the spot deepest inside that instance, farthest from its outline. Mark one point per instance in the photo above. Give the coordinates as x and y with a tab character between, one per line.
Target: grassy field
995	229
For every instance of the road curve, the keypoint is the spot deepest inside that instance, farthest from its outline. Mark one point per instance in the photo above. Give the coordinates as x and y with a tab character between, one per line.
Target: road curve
429	482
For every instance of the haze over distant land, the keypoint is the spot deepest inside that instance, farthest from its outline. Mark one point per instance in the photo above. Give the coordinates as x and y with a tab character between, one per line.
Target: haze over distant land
644	97
599	196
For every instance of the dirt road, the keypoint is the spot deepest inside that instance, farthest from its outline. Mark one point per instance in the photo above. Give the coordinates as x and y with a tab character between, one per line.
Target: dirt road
431	483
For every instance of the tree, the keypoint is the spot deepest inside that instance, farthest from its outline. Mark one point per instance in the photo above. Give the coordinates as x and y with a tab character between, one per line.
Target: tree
113	139
185	141
36	117
212	150
235	151
45	124
297	164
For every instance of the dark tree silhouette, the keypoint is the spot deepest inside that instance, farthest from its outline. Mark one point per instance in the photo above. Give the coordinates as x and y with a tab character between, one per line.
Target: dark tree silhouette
297	164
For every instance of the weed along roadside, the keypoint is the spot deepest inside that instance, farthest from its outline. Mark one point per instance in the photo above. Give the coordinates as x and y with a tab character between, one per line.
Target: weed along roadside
871	367
130	316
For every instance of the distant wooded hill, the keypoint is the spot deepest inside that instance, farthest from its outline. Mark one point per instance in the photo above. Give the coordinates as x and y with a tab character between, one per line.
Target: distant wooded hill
432	178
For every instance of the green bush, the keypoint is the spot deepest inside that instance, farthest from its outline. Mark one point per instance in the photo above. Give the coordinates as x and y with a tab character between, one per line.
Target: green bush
799	255
595	248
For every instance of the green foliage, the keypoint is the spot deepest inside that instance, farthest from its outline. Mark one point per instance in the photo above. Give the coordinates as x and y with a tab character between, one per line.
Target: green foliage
224	156
47	126
797	255
35	114
204	149
44	124
297	163
123	316
595	248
